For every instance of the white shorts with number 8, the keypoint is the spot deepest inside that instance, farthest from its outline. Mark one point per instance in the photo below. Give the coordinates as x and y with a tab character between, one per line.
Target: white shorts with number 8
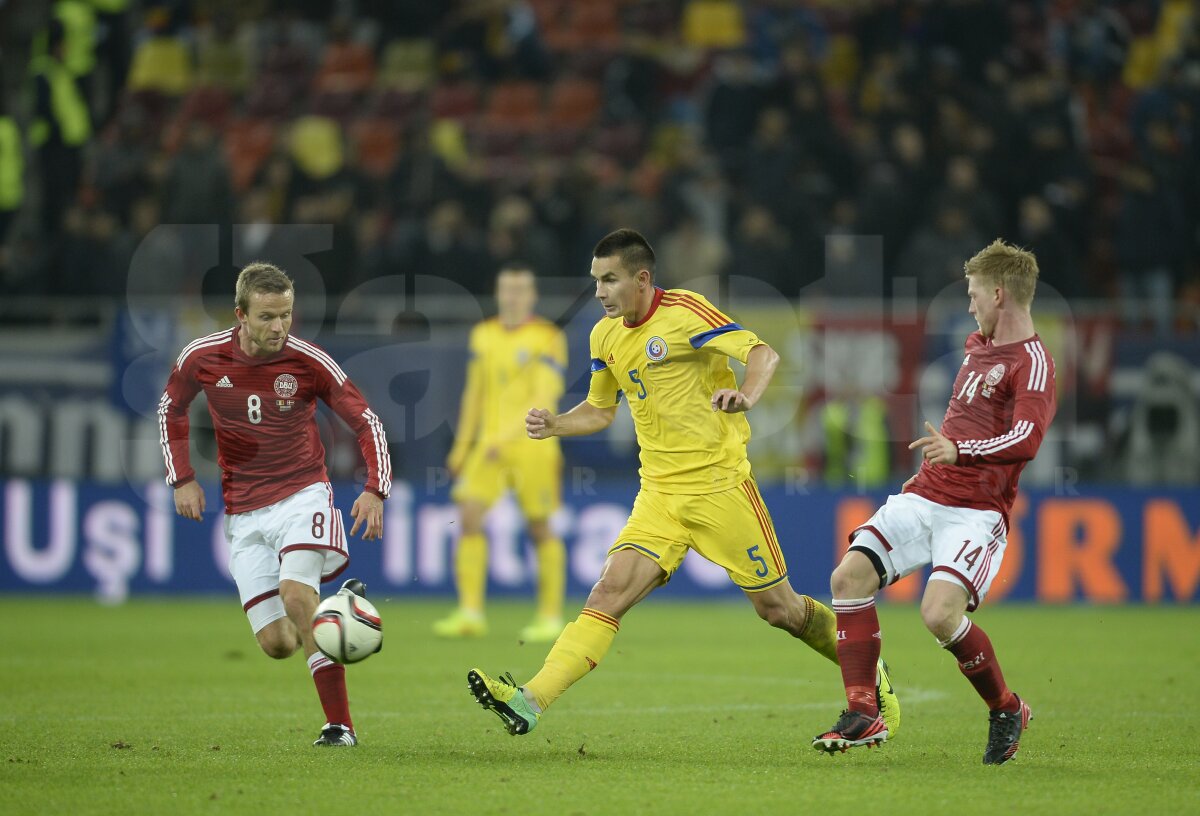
300	538
965	546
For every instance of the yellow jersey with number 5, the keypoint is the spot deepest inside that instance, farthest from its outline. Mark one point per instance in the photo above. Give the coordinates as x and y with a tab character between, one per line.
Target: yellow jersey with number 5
668	365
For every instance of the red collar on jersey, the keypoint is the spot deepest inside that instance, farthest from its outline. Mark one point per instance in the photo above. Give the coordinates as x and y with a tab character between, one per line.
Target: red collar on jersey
658	296
250	358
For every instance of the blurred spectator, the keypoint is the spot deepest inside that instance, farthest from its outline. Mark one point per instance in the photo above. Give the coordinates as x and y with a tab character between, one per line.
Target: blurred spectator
197	188
447	246
1152	230
733	103
762	250
938	250
1058	266
220	60
12	170
689	252
61	128
161	60
347	67
515	235
963	190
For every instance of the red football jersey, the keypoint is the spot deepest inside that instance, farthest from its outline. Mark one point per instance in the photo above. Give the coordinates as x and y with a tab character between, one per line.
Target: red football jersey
262	408
1003	401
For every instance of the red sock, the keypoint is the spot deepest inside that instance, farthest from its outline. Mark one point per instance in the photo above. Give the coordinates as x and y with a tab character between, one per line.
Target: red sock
977	661
330	680
858	648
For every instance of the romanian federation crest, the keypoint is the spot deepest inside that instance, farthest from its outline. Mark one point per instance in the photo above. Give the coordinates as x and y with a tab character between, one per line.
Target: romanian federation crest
286	386
656	349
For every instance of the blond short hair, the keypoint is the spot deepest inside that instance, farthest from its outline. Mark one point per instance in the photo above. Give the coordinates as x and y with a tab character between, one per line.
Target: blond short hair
263	278
1013	269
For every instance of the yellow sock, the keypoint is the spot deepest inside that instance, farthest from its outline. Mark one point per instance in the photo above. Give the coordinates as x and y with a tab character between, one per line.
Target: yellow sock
578	650
470	571
820	628
552	577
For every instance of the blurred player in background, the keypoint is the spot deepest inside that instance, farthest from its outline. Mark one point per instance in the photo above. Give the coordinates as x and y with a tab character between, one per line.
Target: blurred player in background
285	535
954	512
517	359
668	353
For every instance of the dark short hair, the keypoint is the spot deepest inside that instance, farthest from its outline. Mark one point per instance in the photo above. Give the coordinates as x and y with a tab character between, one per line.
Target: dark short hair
632	248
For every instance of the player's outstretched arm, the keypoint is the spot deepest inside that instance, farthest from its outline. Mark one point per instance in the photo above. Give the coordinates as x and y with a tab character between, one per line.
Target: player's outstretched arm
760	368
189	501
367	511
581	420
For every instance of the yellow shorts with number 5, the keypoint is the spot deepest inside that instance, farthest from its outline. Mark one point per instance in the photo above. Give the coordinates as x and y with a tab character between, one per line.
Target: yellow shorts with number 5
731	529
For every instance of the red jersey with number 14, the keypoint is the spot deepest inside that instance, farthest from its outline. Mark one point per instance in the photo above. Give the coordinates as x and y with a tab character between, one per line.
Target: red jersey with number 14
1003	401
263	410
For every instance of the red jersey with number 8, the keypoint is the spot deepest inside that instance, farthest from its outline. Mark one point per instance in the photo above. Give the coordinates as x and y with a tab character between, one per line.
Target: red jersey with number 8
1002	403
262	408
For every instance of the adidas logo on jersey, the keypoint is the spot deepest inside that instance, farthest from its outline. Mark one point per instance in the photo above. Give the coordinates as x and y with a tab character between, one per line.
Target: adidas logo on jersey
224	382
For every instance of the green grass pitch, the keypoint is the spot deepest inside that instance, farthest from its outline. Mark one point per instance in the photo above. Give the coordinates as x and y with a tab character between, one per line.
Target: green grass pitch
168	707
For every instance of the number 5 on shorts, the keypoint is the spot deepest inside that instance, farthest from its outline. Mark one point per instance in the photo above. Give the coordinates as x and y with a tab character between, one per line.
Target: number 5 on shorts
762	569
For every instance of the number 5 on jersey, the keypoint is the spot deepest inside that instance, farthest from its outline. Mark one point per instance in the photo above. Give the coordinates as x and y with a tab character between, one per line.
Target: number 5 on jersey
633	375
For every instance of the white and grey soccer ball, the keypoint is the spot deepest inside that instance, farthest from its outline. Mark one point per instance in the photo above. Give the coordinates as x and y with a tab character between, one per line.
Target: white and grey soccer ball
347	628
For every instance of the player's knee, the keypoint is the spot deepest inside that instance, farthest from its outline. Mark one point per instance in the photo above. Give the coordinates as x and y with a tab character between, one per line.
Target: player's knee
852	579
940	618
279	643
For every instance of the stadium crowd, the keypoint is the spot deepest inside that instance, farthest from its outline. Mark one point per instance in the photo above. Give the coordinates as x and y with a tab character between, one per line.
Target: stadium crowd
450	138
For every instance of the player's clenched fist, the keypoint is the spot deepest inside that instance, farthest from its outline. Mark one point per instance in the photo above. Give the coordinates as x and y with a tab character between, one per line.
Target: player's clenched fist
539	423
189	501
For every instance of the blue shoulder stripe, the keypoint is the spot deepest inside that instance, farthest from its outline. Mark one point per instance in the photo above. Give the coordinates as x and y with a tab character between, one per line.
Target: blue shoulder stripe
550	361
702	338
598	365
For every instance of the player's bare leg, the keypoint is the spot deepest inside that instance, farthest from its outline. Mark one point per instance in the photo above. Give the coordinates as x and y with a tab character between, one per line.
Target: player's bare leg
547	624
470	576
798	615
943	608
628	577
279	639
854	584
300	602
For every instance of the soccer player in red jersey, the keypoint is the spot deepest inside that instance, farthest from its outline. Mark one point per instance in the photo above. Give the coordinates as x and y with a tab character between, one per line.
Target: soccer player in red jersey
284	533
953	513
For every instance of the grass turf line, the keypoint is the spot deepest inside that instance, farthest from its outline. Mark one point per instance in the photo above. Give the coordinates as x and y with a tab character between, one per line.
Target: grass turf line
699	707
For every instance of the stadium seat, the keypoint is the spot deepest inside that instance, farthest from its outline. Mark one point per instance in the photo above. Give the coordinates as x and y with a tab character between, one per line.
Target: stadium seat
248	143
593	26
622	142
161	64
713	24
398	103
514	106
574	103
339	105
455	100
271	97
317	146
376	143
346	68
407	65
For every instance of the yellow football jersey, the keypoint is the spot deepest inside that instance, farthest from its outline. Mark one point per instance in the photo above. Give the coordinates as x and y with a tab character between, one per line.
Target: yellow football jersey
668	365
510	371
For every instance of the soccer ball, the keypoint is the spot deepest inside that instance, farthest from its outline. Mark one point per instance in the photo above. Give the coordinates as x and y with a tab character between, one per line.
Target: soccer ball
347	628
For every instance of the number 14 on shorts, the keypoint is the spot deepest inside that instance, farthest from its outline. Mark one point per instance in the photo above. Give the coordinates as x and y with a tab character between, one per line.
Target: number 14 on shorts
969	558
